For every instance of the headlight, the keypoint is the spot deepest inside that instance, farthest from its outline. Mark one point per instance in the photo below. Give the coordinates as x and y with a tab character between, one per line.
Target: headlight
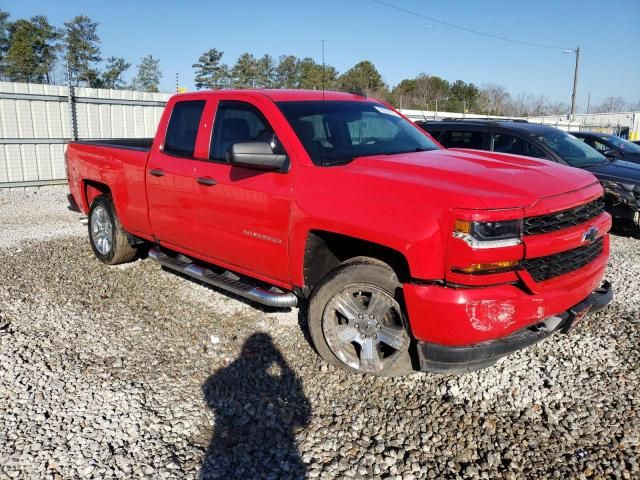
479	235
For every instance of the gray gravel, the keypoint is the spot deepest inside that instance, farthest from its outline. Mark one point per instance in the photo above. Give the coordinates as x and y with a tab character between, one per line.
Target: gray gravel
131	372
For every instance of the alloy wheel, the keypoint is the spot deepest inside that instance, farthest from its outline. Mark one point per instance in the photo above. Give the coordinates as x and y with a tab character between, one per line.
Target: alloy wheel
101	230
363	326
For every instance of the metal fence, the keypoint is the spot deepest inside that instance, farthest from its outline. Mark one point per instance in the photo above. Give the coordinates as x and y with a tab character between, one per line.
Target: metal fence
36	121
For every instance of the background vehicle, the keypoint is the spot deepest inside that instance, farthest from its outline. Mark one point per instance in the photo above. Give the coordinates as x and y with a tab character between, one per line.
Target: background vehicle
620	179
410	256
611	146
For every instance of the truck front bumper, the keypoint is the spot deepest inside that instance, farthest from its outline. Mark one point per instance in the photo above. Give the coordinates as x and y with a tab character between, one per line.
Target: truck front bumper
440	358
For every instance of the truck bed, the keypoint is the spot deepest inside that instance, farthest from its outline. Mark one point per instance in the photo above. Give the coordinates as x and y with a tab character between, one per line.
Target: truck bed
118	163
142	144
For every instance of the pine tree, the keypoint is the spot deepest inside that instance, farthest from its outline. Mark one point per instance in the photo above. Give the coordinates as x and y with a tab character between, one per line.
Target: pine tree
4	41
287	72
82	50
31	52
148	77
20	58
362	77
245	71
265	72
46	47
112	75
210	73
314	77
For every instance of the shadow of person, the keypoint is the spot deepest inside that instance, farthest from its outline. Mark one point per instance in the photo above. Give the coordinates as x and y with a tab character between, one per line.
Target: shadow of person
259	404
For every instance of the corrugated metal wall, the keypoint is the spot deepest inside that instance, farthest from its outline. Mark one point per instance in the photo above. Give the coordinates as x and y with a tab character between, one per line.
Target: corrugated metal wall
36	122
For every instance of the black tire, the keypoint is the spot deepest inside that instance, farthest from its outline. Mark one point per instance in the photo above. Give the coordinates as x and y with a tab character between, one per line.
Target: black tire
352	280
110	244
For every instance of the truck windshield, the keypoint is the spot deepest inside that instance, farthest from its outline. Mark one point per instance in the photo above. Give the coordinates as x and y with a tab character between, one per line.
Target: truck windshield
335	132
573	151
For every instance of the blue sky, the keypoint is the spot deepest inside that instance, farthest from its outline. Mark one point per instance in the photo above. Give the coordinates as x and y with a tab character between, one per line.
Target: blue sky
400	45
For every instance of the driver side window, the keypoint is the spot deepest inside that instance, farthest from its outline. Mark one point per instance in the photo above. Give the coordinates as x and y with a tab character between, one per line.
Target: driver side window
237	122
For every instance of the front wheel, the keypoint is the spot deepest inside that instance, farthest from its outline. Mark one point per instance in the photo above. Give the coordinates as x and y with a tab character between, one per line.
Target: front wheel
108	240
356	320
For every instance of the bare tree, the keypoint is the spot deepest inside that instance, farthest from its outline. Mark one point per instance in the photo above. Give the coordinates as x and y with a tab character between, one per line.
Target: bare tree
557	108
529	104
611	104
495	99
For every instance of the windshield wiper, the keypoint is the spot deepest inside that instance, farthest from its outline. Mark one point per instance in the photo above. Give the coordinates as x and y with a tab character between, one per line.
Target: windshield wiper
586	165
417	149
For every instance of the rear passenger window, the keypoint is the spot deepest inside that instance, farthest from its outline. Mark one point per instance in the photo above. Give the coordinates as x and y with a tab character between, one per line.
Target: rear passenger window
183	128
463	139
237	122
504	143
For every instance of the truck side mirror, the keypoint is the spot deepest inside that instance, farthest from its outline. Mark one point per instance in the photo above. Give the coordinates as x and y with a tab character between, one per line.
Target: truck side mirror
258	155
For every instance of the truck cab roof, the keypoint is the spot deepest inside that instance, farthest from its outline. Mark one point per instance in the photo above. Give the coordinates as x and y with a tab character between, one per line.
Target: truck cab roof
285	95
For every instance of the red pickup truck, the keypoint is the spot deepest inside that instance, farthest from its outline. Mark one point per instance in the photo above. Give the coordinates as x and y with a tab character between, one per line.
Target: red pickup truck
408	256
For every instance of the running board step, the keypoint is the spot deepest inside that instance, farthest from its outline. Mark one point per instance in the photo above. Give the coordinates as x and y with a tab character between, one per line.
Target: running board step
226	281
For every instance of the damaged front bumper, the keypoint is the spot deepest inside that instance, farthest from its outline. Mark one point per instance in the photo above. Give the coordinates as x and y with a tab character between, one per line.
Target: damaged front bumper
621	202
459	359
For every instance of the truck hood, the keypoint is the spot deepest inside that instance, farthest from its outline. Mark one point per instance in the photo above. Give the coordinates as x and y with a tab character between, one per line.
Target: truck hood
477	179
617	171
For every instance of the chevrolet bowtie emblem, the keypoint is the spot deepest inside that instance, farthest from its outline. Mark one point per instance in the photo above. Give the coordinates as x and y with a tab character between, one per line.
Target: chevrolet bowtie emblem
590	235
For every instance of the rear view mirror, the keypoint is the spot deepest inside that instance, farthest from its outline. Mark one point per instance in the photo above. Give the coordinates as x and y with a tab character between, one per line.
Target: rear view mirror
258	155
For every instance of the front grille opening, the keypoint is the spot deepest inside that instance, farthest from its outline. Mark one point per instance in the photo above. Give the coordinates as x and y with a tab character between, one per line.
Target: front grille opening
564	219
546	268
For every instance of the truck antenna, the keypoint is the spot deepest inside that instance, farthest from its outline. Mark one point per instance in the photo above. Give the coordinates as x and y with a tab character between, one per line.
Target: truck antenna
323	68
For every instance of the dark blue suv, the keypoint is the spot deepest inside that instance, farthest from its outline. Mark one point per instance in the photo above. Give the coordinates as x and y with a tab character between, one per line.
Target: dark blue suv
620	179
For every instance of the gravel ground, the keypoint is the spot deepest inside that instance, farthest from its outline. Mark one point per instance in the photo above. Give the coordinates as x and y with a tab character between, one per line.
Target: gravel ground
131	372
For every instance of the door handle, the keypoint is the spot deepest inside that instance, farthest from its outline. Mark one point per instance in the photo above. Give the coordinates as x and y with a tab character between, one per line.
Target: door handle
156	172
206	181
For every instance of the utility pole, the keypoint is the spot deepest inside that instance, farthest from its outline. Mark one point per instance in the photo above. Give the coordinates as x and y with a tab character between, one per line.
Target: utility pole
575	84
177	83
588	102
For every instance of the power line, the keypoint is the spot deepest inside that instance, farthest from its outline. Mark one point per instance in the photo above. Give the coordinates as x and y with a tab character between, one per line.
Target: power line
469	30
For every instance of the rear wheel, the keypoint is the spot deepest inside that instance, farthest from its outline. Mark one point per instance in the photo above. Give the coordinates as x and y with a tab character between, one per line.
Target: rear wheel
108	240
357	322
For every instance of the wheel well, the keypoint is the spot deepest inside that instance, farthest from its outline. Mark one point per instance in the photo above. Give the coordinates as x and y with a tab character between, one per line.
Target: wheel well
93	189
326	250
